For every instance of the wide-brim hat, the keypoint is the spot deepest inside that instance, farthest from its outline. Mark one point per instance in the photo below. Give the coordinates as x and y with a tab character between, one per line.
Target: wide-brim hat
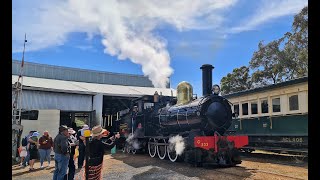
71	131
85	127
97	130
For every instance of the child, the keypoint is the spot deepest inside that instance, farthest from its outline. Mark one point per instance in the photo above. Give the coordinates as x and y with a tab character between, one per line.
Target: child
23	154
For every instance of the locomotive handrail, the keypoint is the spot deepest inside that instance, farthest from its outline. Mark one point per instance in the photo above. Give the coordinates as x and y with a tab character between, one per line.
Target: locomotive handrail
177	118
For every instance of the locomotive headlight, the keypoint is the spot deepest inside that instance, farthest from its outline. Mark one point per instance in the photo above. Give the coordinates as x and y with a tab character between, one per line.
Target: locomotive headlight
215	89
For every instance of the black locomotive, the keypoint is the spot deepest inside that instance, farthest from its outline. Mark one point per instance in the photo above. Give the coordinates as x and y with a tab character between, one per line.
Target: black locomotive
183	128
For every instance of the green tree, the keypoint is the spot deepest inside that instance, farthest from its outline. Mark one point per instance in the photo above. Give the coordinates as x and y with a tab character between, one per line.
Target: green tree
273	64
279	60
267	60
296	47
238	80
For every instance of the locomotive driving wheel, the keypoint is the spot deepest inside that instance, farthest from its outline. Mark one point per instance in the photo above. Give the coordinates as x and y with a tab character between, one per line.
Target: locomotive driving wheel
133	151
128	149
162	149
172	155
152	147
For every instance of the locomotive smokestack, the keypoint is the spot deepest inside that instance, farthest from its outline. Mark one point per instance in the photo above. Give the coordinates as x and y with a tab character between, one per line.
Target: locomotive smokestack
206	79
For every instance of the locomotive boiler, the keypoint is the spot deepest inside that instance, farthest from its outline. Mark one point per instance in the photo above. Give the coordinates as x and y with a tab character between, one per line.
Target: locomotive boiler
183	128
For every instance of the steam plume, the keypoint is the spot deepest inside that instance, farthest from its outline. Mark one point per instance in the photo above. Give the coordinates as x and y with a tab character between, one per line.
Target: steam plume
127	28
132	141
178	143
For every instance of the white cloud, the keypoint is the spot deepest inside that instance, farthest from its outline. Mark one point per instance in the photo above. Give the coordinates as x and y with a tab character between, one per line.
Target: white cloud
86	47
269	10
126	27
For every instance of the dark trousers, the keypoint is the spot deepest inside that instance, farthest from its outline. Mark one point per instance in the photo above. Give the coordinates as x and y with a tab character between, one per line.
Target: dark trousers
72	169
81	155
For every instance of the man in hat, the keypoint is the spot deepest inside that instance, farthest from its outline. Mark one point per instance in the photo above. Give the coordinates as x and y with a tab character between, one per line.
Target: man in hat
97	149
134	115
62	153
82	148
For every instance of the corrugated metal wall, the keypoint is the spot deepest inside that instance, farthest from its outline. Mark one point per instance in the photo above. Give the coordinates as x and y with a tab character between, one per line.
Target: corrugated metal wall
52	100
80	75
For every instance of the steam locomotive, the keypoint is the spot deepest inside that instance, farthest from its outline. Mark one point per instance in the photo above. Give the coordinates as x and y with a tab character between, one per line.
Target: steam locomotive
183	128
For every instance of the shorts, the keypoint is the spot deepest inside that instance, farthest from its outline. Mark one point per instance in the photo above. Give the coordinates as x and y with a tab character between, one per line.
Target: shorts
33	154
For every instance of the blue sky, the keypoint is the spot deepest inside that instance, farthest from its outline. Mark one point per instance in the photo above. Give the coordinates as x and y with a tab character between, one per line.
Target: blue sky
159	39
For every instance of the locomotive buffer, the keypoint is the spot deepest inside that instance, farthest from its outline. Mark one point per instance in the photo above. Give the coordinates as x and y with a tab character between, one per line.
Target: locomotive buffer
16	108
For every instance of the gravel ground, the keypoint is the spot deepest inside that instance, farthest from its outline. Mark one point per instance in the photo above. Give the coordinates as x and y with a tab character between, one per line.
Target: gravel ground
142	167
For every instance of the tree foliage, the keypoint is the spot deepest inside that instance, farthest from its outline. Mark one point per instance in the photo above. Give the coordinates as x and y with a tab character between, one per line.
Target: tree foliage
277	61
238	80
269	59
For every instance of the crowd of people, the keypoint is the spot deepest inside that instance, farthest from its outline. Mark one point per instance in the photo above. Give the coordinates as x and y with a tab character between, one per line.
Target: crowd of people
68	145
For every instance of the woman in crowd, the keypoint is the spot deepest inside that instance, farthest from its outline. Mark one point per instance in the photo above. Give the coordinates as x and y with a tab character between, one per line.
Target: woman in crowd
33	149
45	147
97	148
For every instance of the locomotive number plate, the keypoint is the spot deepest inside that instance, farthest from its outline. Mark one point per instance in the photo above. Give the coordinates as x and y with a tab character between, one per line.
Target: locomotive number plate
206	142
295	140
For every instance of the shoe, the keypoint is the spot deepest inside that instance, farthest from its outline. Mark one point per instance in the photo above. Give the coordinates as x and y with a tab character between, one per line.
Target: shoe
41	167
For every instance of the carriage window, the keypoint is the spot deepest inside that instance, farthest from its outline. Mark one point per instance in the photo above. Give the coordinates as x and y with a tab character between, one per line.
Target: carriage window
264	106
236	109
254	108
293	103
30	115
276	105
245	109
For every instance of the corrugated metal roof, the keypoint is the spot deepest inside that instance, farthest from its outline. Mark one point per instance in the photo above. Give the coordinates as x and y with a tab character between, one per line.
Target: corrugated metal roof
79	75
89	88
268	87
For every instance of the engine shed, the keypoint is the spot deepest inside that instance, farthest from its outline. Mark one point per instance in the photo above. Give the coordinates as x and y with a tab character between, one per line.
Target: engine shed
55	95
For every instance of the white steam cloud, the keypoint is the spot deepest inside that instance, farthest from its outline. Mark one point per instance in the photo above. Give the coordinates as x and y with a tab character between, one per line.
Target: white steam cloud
178	143
132	141
127	27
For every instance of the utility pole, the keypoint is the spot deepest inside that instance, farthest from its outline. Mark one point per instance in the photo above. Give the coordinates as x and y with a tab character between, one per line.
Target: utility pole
16	108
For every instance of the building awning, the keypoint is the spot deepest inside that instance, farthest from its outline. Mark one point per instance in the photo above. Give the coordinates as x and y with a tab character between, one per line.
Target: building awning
53	85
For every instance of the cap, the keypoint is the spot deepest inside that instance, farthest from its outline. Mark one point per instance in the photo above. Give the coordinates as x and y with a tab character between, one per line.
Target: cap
62	128
35	134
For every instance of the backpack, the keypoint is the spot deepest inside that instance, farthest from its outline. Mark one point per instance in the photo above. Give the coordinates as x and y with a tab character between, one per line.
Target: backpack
24	141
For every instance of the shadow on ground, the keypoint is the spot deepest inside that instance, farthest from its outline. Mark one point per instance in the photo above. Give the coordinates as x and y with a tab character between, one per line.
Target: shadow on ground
141	160
27	172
